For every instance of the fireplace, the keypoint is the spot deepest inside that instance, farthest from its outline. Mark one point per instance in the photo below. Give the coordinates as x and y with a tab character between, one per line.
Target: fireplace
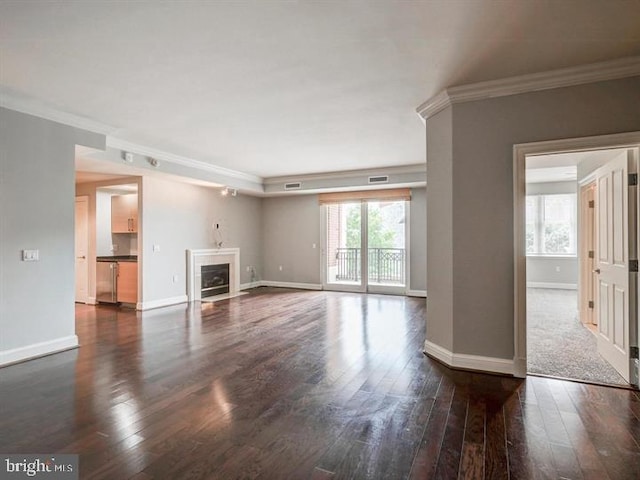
196	259
214	279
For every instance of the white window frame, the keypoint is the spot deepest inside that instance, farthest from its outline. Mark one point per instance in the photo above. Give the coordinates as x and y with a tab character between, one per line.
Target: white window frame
539	225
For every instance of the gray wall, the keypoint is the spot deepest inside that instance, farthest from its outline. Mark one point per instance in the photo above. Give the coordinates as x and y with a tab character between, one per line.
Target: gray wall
552	270
37	212
179	216
550	188
440	229
484	133
291	225
418	239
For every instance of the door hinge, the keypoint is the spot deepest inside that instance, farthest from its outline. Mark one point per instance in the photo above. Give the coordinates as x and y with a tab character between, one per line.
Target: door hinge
633	266
591	304
633	352
592	204
633	179
592	254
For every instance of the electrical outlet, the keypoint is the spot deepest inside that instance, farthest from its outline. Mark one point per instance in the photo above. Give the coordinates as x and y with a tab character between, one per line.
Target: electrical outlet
156	248
175	279
313	245
30	255
280	267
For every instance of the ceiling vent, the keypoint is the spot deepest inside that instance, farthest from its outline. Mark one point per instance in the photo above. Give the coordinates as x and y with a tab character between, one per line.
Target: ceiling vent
379	179
293	186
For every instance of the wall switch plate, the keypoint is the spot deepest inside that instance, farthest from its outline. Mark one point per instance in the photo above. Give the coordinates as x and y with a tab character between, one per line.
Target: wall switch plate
30	255
248	268
313	245
280	267
156	248
175	279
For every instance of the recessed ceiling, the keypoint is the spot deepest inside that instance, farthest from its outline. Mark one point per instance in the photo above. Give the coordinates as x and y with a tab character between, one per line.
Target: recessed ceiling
286	88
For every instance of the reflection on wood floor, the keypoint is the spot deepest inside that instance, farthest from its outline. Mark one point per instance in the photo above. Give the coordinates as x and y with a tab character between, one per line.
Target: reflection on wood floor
289	384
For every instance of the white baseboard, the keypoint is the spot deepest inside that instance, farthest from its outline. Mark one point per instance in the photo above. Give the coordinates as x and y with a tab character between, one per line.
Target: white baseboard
92	301
469	362
417	293
163	302
250	285
302	286
36	350
560	286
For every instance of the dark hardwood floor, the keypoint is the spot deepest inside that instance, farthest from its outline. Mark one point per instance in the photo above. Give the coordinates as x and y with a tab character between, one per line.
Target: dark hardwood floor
289	384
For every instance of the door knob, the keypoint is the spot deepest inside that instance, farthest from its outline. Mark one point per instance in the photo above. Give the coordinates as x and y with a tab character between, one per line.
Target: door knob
597	270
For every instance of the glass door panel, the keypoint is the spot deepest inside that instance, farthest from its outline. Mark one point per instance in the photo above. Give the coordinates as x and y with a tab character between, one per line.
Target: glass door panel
386	246
343	246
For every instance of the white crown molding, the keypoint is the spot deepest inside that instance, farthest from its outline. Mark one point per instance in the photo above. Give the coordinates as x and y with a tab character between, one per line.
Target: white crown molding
162	155
563	77
31	106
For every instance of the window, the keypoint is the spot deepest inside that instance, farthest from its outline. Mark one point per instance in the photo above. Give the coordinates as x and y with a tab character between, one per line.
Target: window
551	224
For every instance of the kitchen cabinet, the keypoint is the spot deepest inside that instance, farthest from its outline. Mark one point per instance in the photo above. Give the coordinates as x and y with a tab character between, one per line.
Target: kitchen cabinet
124	213
127	286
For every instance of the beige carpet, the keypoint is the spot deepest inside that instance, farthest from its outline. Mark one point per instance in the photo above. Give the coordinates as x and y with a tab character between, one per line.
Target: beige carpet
558	344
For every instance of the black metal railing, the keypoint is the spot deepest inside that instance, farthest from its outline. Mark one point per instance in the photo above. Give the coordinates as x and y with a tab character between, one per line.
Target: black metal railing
386	265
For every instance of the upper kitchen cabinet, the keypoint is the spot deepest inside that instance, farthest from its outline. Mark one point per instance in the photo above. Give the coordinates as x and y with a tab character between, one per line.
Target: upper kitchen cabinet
124	213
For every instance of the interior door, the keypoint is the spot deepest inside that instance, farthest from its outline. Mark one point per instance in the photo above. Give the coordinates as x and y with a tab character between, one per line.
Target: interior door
616	229
82	248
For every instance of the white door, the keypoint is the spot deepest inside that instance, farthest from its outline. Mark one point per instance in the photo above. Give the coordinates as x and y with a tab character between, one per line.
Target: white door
81	249
616	234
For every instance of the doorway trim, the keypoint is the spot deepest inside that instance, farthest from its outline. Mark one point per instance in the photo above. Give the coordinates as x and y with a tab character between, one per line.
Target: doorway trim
520	152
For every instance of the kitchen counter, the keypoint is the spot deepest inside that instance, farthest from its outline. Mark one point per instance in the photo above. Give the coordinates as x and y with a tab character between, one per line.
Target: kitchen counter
118	258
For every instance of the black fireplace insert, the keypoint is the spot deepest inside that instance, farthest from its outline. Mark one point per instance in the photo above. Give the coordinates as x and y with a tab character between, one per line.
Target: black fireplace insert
215	279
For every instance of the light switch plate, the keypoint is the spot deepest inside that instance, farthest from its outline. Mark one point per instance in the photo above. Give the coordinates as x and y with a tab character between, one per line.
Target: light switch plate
156	248
30	255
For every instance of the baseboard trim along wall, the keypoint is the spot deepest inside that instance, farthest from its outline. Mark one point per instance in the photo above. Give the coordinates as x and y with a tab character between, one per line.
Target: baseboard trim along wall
250	285
469	362
417	293
36	350
302	286
559	286
163	302
91	301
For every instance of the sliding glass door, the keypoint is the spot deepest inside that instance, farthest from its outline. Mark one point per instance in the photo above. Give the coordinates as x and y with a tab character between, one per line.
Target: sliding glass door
365	246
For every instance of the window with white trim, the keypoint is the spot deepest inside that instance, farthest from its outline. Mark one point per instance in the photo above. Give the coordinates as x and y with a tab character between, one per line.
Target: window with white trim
551	224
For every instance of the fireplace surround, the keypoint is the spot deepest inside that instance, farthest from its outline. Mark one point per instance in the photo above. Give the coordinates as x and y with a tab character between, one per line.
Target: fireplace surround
197	258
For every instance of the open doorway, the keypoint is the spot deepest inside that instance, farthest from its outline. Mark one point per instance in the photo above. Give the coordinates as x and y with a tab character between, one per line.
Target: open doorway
580	239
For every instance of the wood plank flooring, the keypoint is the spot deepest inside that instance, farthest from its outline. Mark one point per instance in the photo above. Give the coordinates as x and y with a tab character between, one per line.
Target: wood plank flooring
284	384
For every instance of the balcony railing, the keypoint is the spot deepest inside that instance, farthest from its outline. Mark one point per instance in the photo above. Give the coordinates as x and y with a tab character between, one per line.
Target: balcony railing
386	265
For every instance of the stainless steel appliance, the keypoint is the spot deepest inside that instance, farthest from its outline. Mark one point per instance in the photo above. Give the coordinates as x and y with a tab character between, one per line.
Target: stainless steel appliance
106	286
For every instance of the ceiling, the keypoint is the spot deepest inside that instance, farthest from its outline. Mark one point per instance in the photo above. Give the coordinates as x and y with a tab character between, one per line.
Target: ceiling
287	88
563	167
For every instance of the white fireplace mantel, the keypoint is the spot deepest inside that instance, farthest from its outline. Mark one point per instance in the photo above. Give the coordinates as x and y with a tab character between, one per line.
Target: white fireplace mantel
212	256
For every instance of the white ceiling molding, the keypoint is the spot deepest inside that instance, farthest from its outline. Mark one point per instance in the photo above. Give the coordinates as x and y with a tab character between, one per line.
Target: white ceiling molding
180	160
564	77
31	106
419	169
